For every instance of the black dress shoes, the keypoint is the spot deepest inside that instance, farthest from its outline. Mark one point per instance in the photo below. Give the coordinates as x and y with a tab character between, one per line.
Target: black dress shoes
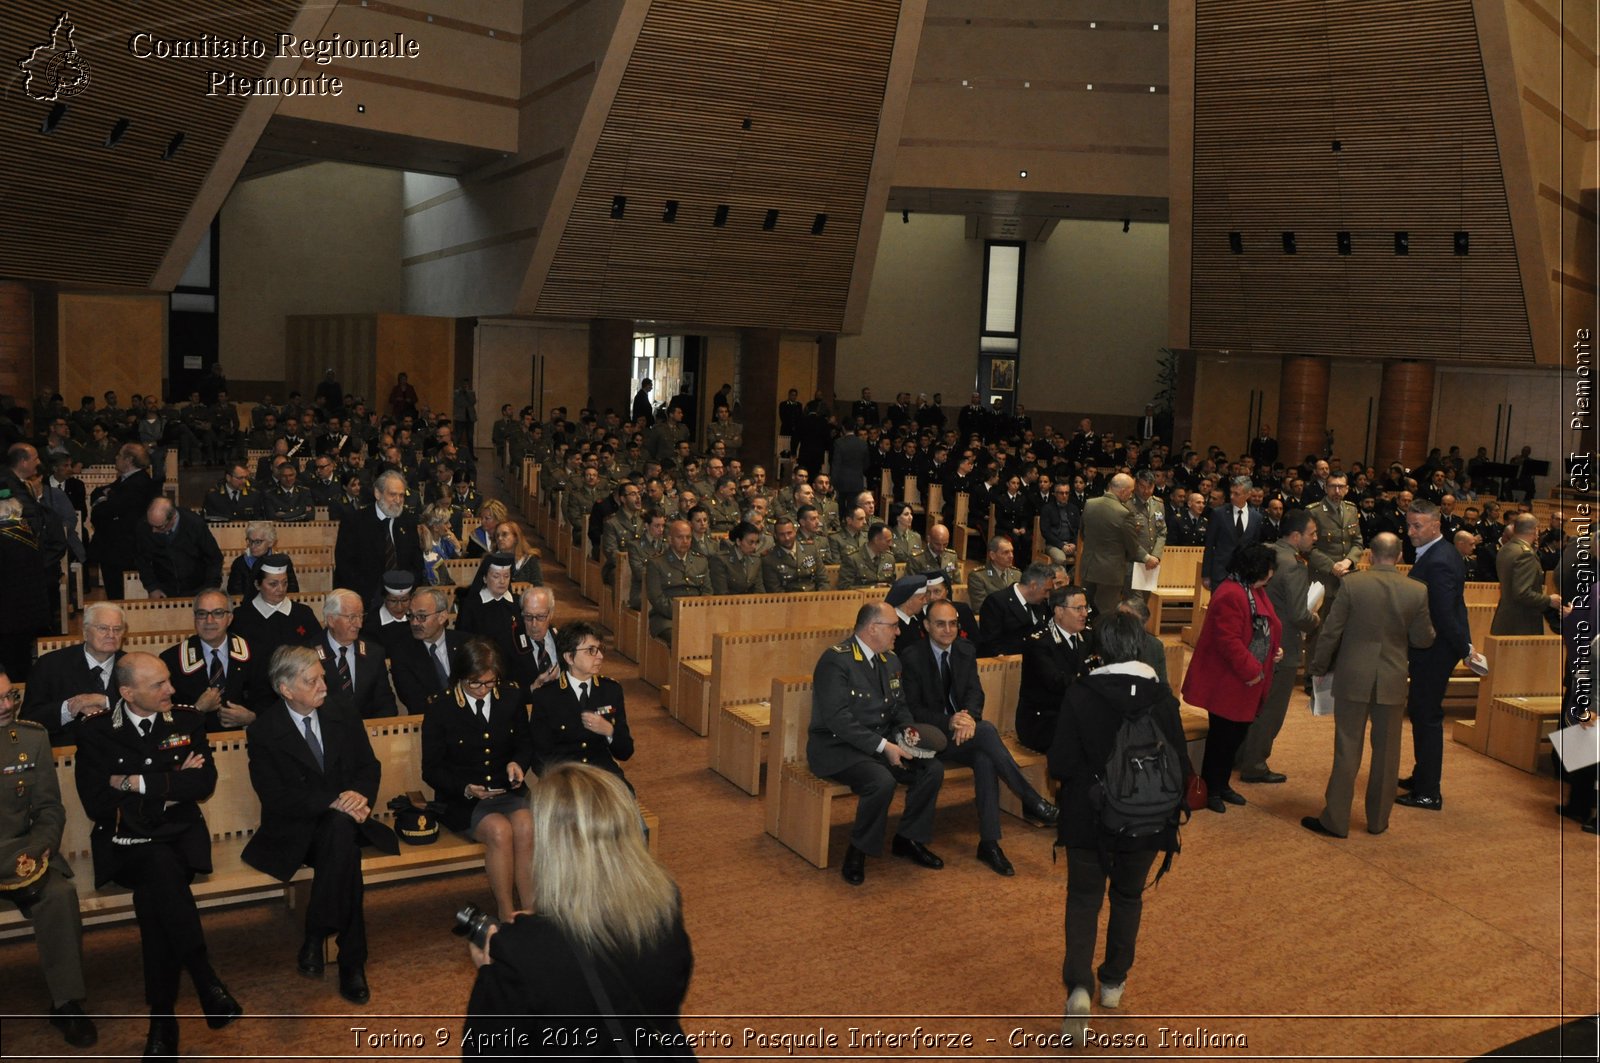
916	852
75	1026
990	853
1415	800
1314	825
855	866
219	1005
1233	797
161	1043
1266	777
1408	782
1216	804
1042	811
353	984
1577	815
309	962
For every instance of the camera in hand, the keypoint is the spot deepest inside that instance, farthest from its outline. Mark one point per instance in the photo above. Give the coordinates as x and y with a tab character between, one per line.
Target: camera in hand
473	923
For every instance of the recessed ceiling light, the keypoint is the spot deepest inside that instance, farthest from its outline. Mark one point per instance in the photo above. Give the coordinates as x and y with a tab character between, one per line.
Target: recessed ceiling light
1157	26
1022	173
1152	88
1090	86
1091	25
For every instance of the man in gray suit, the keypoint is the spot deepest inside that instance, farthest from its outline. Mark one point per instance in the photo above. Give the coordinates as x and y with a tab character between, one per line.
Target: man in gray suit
1522	597
1111	545
1376	617
1287	589
857	707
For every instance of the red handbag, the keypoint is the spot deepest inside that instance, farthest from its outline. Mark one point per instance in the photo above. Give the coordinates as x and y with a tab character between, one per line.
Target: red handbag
1195	794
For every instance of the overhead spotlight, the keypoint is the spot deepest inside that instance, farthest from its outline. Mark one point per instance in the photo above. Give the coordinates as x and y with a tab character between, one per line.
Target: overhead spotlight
905	217
770	222
746	124
1463	243
1125	224
619	204
1288	243
1402	243
819	223
1343	238
1338	145
1236	243
172	147
669	213
721	217
1022	173
119	129
361	108
53	119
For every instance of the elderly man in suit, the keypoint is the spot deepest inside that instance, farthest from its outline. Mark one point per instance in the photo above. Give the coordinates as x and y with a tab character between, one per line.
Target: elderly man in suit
142	769
378	540
1440	569
356	670
1111	545
858	709
317	778
67	684
1378	614
1231	528
1522	597
116	517
176	553
942	689
215	671
1287	590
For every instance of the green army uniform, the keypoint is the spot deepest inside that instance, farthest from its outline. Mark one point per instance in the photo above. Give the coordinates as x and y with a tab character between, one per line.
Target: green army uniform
724	515
1339	538
731	433
845	544
824	547
792	571
925	564
621	532
576	502
1149	526
863	568
640	554
828	510
982	582
733	572
671	576
907	545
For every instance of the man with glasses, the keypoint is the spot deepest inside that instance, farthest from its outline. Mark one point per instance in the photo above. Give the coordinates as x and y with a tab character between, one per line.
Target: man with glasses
422	662
176	553
67	683
233	499
379	539
323	484
287	502
1052	660
36	880
214	670
537	660
580	716
858	711
357	673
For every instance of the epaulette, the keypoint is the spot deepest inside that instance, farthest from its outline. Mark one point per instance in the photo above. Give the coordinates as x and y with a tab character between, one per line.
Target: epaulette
1038	634
20	722
95	714
843	647
183	708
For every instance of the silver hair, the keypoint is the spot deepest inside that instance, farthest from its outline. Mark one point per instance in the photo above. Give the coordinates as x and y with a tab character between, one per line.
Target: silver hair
333	602
290	662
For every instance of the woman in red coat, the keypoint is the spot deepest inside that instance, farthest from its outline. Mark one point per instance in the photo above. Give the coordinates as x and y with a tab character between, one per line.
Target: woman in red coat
1231	669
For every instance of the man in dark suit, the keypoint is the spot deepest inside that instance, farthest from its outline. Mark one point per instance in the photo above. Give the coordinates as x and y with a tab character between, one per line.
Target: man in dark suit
118	515
356	671
1052	660
316	775
22	462
215	671
1522	597
421	664
68	683
379	539
142	768
858	709
942	690
1439	568
1377	614
1287	590
848	463
537	660
1010	615
177	554
1231	527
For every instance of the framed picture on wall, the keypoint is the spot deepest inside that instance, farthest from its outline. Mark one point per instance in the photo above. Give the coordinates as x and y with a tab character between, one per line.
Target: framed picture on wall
1002	374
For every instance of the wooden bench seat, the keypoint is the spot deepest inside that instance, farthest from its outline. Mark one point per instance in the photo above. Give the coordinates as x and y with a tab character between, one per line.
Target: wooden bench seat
1519	733
1519	666
233	812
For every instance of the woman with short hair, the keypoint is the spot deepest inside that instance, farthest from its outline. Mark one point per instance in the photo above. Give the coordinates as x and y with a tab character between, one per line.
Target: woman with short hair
490	514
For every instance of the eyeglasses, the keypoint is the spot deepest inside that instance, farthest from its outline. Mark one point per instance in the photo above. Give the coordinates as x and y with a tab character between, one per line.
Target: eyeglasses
1076	608
211	614
422	616
536	618
10	697
258	542
107	629
593	651
479	684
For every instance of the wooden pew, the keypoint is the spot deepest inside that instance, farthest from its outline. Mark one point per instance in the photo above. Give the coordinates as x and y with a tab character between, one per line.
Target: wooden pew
230	535
164	615
628	630
233	813
314	577
1519	666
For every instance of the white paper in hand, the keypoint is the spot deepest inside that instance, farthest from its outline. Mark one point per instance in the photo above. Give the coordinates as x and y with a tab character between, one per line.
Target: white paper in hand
1322	695
1145	579
1577	746
1314	595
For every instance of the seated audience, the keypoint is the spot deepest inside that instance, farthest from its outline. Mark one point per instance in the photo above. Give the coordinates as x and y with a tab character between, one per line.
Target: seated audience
260	539
355	669
176	553
67	683
269	618
581	715
216	671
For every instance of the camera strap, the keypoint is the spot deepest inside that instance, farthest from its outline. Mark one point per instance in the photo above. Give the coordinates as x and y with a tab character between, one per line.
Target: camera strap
586	964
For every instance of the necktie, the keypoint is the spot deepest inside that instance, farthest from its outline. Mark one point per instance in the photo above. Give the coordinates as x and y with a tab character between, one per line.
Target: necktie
311	740
216	677
478	709
1238	522
97	673
345	682
439	667
390	555
944	678
144	727
544	658
583	696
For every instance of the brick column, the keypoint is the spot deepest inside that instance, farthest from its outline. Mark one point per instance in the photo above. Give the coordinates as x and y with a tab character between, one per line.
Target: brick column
1302	407
1405	412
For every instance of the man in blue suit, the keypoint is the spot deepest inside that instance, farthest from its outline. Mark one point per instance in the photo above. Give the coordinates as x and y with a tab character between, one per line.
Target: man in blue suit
1439	568
1234	525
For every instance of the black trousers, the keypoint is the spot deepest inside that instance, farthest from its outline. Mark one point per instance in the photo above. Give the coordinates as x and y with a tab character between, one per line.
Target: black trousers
170	938
1222	746
874	782
991	763
1425	705
336	906
1086	892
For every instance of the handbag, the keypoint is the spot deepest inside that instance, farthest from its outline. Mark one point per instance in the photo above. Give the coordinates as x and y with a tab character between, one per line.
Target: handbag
1260	629
1195	794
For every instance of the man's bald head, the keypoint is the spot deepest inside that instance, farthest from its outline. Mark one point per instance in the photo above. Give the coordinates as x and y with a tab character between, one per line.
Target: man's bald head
1385	548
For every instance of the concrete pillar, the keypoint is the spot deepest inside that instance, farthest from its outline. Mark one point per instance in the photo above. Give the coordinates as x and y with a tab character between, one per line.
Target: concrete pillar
1302	407
611	365
759	358
1405	412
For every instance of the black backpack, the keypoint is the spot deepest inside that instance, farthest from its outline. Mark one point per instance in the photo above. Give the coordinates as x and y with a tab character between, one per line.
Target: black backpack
1141	789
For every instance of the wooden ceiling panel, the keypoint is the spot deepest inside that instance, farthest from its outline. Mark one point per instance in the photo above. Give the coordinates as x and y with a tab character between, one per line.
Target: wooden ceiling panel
78	212
1399	84
810	78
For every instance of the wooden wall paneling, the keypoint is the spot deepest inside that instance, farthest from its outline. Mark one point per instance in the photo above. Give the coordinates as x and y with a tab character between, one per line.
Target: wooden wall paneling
504	354
111	343
16	342
564	368
345	343
423	349
1222	389
1352	385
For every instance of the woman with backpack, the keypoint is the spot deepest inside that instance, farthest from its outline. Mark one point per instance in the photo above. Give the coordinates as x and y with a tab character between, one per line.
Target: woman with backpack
1120	754
1231	669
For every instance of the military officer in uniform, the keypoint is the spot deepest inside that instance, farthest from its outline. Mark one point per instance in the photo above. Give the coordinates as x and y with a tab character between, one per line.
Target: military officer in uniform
724	507
737	570
1149	517
872	566
233	499
580	716
937	557
578	499
827	502
852	537
142	769
1000	573
31	820
791	566
623	530
287	502
1339	546
858	711
652	541
215	670
808	532
678	572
